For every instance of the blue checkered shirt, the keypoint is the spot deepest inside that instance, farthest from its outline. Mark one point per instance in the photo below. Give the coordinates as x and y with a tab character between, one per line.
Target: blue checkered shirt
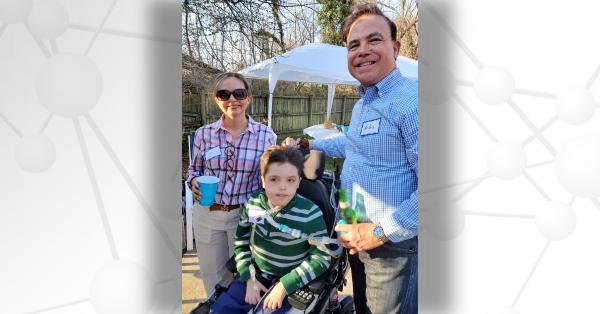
381	150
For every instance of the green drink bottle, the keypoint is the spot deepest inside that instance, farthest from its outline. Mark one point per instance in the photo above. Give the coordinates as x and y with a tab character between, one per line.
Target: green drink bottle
347	214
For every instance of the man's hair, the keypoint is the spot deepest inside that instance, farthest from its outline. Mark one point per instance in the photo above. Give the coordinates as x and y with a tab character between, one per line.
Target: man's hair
226	75
278	154
366	9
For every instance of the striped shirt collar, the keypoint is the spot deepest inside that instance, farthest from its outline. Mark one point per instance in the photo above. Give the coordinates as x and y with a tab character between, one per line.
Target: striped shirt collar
252	125
383	86
264	202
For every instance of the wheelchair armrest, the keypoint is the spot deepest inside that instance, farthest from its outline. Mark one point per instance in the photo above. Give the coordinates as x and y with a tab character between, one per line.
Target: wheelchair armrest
317	284
331	277
230	265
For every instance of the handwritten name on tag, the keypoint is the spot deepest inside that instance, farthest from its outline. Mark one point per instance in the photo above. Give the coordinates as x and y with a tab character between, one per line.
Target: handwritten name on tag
370	127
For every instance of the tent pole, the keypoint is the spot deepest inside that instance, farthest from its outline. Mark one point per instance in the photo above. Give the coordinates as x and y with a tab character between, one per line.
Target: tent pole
330	94
273	77
270	108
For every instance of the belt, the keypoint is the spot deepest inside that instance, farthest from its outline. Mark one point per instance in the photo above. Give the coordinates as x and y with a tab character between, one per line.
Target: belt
222	207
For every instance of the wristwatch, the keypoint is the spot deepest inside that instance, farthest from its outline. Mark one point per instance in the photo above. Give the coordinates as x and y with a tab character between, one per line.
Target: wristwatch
379	234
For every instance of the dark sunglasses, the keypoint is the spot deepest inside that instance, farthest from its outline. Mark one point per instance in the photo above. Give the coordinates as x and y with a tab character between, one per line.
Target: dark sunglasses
238	94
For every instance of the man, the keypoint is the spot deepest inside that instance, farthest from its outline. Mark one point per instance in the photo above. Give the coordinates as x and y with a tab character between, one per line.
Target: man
381	164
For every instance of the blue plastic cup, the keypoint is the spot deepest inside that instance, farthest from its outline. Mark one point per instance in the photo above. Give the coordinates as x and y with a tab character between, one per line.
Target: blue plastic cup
208	187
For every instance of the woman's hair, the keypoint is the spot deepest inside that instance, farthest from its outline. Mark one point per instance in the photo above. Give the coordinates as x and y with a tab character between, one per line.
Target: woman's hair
366	9
226	75
278	154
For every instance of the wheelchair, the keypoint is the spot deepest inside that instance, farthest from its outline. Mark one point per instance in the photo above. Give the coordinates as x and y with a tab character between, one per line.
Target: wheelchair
321	295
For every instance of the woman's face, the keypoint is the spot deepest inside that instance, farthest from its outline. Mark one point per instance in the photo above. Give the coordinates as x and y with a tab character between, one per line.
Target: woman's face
232	107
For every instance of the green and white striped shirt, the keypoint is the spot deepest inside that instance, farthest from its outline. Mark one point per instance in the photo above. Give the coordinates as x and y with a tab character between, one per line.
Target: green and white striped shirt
277	253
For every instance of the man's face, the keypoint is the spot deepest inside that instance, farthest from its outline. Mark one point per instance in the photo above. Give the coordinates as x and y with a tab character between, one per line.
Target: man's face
371	50
281	182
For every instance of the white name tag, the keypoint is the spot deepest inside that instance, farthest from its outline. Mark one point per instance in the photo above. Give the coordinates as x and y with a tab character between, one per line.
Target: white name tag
370	127
211	153
256	216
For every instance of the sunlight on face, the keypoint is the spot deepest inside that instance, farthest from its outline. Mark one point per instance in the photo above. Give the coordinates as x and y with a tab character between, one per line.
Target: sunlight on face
232	108
371	50
281	182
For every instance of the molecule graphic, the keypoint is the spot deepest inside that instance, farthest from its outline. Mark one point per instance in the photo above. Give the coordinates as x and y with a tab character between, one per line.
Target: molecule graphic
575	164
69	86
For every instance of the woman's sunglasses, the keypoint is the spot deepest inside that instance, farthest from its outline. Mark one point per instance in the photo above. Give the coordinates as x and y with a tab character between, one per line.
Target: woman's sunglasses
238	94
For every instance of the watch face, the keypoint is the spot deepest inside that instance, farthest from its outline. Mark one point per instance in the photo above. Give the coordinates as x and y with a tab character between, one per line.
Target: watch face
378	231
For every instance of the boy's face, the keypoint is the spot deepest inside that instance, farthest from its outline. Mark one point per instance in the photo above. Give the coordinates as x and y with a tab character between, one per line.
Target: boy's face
281	182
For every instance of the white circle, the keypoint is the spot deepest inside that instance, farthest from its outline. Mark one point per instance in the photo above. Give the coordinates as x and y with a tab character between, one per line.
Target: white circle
35	153
578	165
575	105
494	85
122	287
69	85
506	160
503	310
440	84
14	11
443	220
556	220
48	19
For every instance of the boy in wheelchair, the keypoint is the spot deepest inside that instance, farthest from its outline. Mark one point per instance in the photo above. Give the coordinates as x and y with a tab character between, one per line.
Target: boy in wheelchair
281	240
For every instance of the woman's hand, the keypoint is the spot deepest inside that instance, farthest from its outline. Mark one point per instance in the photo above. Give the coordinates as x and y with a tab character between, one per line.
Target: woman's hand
274	299
253	290
196	190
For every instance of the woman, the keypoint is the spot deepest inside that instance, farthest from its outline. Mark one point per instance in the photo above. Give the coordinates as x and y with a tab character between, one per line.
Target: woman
230	149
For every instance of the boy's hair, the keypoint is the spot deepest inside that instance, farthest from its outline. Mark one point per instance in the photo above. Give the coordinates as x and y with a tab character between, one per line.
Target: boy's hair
365	9
280	154
225	75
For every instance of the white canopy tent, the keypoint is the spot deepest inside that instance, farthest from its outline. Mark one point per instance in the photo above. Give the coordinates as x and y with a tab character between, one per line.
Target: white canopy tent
315	63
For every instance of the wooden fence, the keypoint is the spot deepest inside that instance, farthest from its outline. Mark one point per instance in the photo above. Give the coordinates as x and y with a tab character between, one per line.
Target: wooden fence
290	114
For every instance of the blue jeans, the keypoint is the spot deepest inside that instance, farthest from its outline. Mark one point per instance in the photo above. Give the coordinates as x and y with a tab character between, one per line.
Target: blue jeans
392	277
232	301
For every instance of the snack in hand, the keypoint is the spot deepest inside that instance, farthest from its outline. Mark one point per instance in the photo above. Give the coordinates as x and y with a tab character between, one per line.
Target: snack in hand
304	143
328	124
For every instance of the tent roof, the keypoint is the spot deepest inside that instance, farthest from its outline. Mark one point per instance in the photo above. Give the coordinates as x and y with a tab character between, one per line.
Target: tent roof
317	63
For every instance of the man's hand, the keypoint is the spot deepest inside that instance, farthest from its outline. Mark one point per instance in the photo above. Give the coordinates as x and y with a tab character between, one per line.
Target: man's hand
358	237
195	189
252	293
275	298
290	142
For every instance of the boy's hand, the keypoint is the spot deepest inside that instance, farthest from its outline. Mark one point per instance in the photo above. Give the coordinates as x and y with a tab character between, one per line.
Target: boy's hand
275	298
358	237
252	294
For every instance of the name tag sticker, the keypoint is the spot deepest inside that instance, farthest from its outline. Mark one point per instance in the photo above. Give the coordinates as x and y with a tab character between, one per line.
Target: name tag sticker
370	127
211	153
256	216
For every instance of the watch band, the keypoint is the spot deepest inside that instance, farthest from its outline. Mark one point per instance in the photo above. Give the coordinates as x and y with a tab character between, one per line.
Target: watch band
381	236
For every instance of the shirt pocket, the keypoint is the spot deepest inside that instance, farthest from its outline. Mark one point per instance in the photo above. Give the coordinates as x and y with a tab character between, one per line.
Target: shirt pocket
386	145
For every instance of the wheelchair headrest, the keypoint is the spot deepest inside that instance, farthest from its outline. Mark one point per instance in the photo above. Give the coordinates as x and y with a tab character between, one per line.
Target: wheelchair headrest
314	164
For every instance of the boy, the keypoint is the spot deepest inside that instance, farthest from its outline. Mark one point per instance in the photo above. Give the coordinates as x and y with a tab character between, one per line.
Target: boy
272	238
